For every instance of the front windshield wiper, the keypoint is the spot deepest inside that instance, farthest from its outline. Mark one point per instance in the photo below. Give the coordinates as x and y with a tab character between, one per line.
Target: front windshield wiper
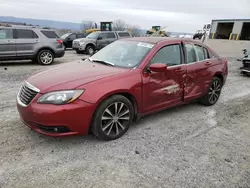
101	61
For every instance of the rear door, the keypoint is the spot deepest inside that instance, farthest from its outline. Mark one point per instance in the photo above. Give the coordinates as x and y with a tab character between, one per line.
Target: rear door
111	37
26	41
198	75
7	43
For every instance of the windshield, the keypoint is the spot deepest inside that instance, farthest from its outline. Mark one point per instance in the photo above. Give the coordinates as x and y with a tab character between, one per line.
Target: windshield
126	54
93	35
65	35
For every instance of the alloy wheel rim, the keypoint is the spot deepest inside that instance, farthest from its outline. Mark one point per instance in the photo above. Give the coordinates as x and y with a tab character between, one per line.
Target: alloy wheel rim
214	92
115	118
46	58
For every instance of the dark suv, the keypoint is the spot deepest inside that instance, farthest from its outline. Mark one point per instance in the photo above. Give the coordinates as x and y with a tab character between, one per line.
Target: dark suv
69	37
39	45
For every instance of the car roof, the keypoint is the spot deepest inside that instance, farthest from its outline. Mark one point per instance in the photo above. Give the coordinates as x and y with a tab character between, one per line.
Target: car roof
155	40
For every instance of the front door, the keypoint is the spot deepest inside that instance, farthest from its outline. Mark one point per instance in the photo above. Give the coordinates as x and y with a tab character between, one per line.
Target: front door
69	40
7	43
26	41
164	89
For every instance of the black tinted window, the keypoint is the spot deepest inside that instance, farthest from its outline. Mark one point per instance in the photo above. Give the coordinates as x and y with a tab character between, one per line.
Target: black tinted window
123	34
72	37
110	35
80	36
169	55
50	34
26	34
6	33
190	51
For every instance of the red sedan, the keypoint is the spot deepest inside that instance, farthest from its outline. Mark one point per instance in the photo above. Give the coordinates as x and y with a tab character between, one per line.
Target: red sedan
125	80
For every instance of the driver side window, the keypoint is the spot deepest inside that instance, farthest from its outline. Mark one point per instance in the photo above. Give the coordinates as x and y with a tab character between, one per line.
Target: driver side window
169	55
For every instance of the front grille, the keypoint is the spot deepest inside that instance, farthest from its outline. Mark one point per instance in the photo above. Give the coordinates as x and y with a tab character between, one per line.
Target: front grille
26	94
76	43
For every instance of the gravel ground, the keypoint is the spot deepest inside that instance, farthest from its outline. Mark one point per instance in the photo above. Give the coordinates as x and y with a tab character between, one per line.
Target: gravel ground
188	146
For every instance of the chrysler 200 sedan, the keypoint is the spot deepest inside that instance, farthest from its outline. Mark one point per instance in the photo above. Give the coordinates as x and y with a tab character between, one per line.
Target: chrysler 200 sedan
127	79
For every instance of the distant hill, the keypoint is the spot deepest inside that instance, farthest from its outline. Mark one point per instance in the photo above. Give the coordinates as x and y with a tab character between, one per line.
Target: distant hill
58	24
43	23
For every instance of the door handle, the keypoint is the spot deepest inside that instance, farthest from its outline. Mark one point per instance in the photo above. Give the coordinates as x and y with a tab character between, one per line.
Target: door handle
208	63
10	41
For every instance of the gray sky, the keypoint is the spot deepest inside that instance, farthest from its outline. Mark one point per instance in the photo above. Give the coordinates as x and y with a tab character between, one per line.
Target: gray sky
178	15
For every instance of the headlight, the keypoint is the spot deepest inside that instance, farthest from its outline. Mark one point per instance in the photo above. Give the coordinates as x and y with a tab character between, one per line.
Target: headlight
60	97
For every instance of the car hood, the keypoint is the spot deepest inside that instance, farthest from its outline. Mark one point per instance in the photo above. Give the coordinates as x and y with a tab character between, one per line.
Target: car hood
71	75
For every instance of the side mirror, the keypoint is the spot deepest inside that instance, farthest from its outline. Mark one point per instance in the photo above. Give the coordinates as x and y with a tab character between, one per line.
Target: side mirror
158	67
99	38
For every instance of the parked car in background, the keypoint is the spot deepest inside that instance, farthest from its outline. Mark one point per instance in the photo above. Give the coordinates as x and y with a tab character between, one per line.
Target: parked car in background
39	45
98	40
69	37
127	79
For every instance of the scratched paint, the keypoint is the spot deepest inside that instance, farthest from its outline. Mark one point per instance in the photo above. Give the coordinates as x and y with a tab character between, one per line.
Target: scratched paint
172	89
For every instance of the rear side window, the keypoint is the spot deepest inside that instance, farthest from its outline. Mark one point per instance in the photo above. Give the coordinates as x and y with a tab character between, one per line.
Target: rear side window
206	53
49	34
123	34
190	51
200	52
6	33
110	35
26	34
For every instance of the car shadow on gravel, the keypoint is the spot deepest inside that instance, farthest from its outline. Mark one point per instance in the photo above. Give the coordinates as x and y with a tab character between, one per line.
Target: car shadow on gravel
26	63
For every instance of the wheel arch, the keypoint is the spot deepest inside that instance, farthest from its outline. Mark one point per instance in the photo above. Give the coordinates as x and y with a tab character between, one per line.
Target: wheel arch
220	76
90	44
126	94
45	48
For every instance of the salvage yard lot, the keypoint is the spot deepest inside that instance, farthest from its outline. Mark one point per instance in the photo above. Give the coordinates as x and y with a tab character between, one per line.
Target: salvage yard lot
187	146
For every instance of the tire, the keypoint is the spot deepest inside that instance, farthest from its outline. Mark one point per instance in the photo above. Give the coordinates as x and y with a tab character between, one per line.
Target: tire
106	125
90	50
213	93
48	55
79	52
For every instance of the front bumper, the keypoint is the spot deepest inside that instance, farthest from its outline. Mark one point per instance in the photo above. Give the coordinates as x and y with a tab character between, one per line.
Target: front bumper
79	47
245	69
57	120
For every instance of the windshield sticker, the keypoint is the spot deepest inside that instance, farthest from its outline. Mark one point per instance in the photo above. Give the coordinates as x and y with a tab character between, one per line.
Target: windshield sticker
145	45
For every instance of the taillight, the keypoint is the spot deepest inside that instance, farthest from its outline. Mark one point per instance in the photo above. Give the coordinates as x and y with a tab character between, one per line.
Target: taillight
60	41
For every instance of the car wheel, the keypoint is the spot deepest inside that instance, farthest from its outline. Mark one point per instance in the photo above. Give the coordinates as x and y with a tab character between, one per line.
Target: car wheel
213	92
90	50
45	57
113	118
